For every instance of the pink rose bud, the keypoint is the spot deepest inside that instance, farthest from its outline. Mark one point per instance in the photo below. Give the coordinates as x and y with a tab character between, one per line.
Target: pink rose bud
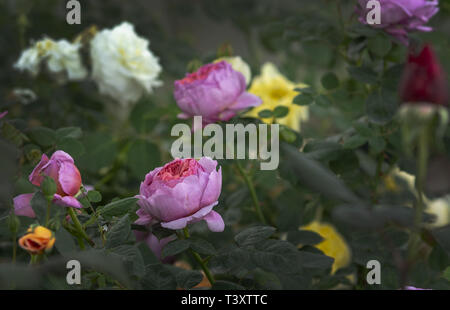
184	191
22	205
216	92
424	79
61	168
3	114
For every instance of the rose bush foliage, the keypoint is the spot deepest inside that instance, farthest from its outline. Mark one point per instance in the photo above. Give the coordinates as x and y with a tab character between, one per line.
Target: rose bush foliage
85	137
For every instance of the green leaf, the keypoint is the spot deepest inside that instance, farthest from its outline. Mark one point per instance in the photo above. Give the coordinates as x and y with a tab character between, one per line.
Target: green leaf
323	101
377	143
280	112
315	261
143	156
330	81
142	117
69	132
118	207
354	142
94	196
381	106
102	151
188	278
119	232
39	206
304	237
175	247
202	246
303	99
132	258
230	259
71	146
363	74
64	243
265	113
42	136
315	176
147	254
253	235
158	277
276	256
380	45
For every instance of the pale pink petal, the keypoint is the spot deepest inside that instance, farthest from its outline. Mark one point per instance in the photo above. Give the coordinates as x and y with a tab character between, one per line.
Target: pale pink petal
36	177
67	201
22	206
214	221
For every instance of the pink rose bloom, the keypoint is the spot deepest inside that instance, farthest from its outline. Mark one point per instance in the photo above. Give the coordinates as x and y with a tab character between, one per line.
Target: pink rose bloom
184	191
399	17
61	168
22	205
216	92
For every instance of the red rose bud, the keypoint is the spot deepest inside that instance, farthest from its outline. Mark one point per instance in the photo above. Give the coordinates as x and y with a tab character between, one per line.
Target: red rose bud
424	79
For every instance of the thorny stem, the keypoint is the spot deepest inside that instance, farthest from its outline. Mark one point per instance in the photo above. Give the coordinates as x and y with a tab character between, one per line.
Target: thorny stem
200	260
251	188
79	228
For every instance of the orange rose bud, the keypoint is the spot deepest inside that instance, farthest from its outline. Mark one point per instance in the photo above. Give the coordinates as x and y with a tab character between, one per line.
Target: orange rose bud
37	240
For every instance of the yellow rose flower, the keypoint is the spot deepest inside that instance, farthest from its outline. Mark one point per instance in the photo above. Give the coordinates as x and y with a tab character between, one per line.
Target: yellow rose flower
276	90
37	240
333	244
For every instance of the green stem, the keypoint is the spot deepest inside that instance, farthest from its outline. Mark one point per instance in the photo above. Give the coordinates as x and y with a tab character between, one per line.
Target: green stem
79	228
199	259
33	259
251	188
422	162
96	217
47	216
14	248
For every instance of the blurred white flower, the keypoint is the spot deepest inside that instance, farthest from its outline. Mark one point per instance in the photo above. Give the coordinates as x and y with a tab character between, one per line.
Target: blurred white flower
122	64
238	64
60	56
439	207
24	95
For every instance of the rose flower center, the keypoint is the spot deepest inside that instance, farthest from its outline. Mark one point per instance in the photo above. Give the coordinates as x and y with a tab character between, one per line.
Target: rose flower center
201	74
178	169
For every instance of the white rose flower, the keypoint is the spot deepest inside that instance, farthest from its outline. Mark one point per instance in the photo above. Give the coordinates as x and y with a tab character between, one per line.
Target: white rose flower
60	56
122	64
64	56
238	64
29	61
